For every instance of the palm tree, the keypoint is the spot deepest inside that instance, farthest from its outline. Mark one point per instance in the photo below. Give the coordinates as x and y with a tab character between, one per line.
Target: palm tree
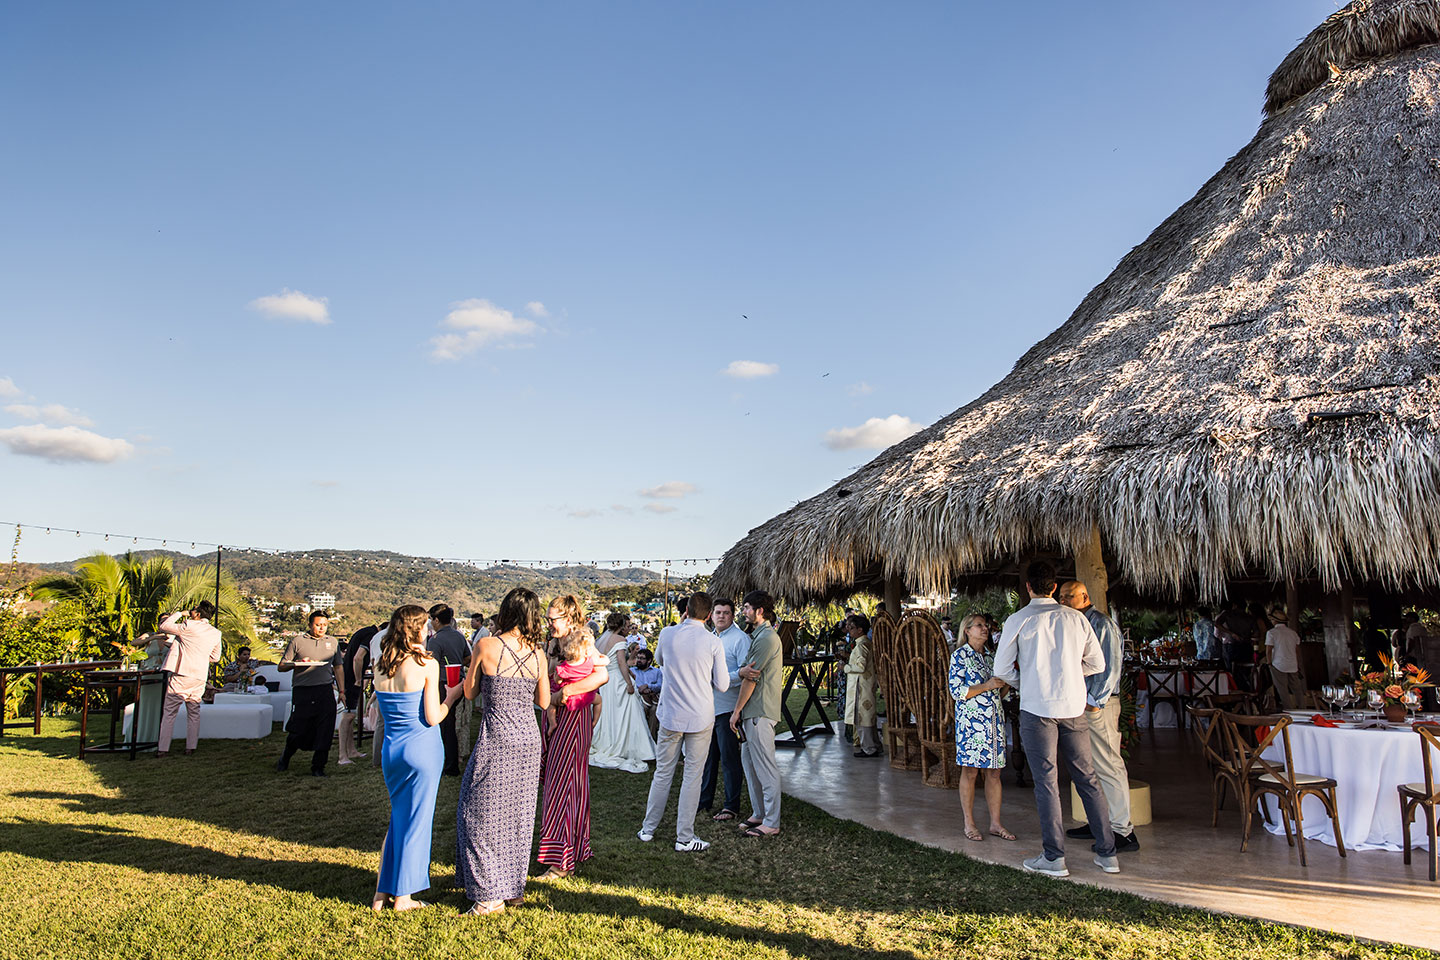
123	598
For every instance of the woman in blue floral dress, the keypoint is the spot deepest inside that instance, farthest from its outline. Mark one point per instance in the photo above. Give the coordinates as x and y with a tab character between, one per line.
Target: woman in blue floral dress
979	723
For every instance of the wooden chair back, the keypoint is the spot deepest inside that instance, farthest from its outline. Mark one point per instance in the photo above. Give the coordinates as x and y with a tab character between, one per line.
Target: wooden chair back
1429	744
1250	737
1205	683
1213	742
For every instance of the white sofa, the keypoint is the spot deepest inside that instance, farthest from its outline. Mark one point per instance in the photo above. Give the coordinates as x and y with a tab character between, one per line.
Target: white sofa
223	721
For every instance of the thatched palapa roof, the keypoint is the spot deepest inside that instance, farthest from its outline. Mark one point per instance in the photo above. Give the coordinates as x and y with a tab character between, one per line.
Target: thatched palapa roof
1253	389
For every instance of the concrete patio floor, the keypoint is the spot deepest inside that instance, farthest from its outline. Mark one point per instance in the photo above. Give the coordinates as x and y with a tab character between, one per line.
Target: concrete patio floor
1182	859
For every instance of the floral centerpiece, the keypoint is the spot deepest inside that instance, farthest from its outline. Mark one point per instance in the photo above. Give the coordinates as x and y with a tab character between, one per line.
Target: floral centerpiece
1169	648
1394	683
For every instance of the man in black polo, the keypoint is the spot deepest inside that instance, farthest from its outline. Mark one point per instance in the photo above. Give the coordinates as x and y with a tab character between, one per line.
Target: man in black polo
448	646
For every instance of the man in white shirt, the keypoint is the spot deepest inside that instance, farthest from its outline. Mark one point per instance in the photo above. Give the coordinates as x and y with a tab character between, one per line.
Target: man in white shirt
694	670
724	745
477	629
1282	650
1046	651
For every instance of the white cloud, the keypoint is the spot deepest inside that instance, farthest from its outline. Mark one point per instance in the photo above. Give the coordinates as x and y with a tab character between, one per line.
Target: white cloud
861	389
480	323
673	490
537	309
659	508
294	305
327	484
877	433
750	369
64	444
583	514
620	508
50	413
8	388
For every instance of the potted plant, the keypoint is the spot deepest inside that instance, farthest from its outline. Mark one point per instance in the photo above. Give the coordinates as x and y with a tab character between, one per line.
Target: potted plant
1392	685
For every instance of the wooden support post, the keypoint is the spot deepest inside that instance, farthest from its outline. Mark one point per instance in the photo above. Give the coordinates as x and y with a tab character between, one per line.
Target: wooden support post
894	596
1336	613
1292	604
1090	570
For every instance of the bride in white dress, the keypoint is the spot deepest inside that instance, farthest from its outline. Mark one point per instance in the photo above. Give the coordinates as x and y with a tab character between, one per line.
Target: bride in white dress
621	740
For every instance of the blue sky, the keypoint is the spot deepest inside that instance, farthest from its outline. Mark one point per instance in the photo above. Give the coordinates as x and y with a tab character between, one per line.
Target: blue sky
468	280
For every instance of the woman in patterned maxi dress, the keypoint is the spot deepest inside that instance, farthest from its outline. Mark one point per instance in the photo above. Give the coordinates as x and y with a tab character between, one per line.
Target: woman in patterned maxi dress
496	818
979	723
565	807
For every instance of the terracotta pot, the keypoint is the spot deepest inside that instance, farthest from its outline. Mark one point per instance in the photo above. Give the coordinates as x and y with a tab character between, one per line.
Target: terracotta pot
1395	712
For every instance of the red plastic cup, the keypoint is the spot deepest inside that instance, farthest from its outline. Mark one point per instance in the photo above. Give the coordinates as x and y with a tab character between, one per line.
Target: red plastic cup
452	675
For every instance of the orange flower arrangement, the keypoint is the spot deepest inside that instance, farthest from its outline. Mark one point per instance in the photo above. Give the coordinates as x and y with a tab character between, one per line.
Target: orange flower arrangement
1393	684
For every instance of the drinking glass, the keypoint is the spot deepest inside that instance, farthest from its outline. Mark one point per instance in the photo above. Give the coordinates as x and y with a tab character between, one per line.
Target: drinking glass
1375	699
1411	701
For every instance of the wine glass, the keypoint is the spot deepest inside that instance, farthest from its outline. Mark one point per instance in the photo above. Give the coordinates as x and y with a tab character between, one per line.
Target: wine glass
1375	699
1411	699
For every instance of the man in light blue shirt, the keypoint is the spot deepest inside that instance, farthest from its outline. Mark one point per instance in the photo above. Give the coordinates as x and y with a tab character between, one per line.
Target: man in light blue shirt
1204	634
1102	716
724	745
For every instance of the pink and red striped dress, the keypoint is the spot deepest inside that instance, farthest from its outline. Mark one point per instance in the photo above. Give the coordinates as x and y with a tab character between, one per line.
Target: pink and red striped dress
565	807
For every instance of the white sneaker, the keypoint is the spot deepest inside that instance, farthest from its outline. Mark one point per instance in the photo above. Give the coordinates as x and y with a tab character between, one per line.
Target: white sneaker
1051	868
645	837
694	846
1108	864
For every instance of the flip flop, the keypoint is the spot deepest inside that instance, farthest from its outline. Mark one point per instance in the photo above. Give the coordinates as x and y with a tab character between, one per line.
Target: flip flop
757	832
479	909
1003	834
725	815
972	834
749	824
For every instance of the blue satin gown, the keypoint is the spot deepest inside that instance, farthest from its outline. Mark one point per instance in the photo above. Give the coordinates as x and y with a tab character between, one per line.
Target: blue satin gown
411	757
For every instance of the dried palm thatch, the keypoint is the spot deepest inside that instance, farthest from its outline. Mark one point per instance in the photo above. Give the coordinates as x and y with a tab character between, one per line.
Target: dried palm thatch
1254	388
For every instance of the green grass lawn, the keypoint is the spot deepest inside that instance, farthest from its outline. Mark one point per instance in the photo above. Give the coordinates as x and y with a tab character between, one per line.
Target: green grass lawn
218	855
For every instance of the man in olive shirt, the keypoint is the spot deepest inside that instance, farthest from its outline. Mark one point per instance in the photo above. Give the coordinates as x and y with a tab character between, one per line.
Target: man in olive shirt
314	657
756	712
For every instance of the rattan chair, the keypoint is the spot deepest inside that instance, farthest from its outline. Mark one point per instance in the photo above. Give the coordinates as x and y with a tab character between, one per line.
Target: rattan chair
1219	759
1249	738
1422	796
902	741
924	661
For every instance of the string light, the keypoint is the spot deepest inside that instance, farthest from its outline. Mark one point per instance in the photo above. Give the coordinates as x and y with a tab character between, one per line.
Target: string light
438	563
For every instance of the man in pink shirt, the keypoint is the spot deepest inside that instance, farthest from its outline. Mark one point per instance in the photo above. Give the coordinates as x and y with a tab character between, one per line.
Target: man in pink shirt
195	645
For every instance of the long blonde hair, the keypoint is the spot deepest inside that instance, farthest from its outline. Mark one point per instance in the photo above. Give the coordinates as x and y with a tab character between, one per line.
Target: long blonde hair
406	624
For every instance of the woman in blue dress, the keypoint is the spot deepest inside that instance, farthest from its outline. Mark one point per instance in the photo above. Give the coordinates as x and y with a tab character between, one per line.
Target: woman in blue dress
979	723
407	690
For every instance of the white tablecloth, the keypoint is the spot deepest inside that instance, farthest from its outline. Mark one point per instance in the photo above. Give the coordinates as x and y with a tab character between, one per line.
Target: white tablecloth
1368	765
223	721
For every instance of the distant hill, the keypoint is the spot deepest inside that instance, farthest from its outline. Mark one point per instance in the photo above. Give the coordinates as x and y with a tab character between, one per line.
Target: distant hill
367	584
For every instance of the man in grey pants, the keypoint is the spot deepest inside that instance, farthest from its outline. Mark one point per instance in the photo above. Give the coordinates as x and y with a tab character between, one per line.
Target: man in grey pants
757	710
1102	718
1046	651
694	670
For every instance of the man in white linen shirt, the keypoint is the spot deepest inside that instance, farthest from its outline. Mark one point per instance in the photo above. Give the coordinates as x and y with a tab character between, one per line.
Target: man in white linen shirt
1282	650
1046	651
193	646
694	670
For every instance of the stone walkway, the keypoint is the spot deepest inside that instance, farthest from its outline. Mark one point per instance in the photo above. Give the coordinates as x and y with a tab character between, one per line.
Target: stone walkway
1369	894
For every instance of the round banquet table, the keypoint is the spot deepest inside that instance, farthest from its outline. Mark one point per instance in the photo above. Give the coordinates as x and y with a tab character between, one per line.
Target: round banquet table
1367	765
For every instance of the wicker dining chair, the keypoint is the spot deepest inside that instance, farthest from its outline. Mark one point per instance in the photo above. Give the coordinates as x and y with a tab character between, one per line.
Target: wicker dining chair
1249	739
1422	796
925	670
902	741
1208	725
